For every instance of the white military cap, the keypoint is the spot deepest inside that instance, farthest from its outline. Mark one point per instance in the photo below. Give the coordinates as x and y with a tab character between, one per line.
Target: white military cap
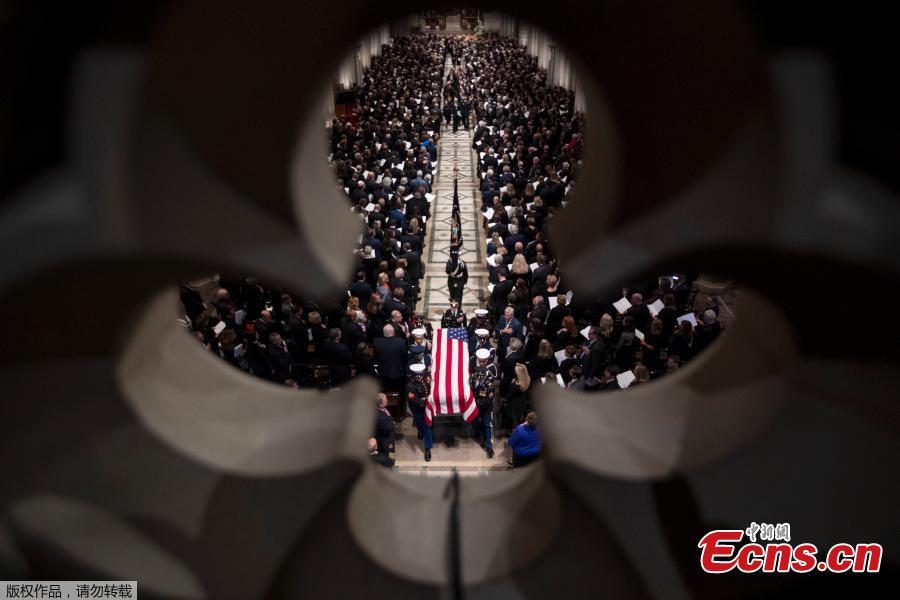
418	332
417	368
483	353
481	332
481	312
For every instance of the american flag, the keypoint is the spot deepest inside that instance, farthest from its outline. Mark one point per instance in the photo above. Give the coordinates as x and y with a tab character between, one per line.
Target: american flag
450	392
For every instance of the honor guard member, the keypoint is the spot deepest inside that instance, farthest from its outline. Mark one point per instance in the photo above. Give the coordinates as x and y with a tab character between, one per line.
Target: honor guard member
453	316
482	342
419	322
418	354
417	395
481	320
483	383
457	275
419	339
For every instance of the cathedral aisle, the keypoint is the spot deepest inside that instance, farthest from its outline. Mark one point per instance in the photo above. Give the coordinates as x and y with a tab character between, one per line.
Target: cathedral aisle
456	159
455	153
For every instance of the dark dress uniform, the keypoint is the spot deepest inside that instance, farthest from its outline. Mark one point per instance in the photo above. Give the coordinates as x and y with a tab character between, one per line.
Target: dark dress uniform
420	354
457	276
475	324
479	343
483	384
417	396
453	319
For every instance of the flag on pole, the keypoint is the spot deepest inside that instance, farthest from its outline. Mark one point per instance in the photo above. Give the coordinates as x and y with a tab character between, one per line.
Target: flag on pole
450	392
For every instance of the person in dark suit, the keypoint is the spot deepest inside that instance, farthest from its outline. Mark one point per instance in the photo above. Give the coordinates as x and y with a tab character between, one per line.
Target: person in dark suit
391	358
609	383
500	295
515	354
668	315
539	310
418	206
592	363
707	331
266	324
193	303
280	357
395	302
639	312
571	360
352	331
377	457
337	356
401	329
400	280
361	288
555	317
490	161
539	275
513	237
508	327
384	426
413	263
359	192
363	360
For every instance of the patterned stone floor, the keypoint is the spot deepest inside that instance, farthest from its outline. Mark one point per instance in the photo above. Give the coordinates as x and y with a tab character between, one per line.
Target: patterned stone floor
462	454
455	153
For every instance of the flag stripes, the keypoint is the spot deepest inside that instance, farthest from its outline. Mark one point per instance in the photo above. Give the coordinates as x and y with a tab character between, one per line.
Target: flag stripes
450	391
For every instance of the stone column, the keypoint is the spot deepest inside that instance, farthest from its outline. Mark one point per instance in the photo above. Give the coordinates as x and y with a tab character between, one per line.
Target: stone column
357	65
552	65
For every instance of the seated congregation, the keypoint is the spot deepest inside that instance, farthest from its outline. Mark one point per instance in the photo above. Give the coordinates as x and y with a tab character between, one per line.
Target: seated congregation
532	329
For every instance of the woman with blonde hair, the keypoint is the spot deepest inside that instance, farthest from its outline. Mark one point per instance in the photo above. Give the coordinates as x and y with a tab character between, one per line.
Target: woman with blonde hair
352	303
508	193
517	396
606	327
520	265
606	338
496	240
606	324
530	195
383	286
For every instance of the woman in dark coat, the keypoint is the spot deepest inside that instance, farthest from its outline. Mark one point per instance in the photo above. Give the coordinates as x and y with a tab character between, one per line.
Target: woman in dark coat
517	398
544	362
568	335
682	343
652	345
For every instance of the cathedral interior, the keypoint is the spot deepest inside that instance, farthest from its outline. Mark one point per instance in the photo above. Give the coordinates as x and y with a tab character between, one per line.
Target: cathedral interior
144	143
